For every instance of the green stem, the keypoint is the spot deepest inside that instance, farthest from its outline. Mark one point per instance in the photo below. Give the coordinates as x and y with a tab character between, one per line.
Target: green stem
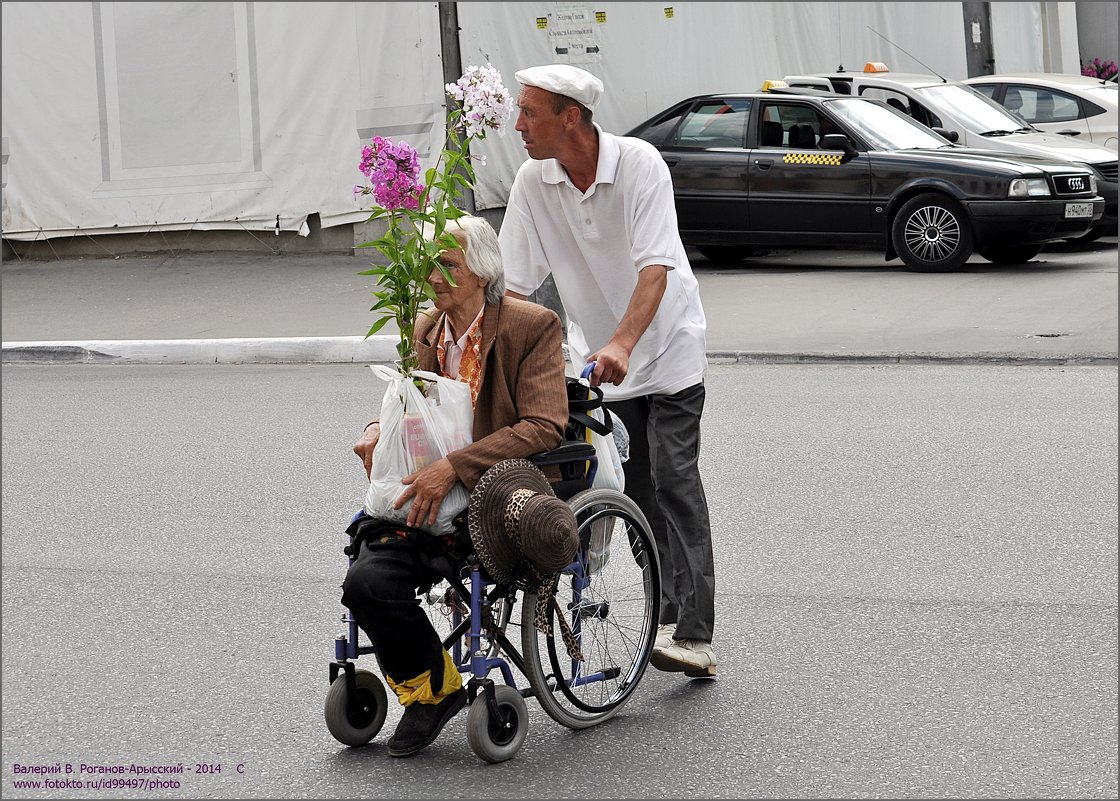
406	277
402	308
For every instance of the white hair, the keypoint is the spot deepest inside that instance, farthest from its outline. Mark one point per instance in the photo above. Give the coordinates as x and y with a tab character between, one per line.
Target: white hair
481	251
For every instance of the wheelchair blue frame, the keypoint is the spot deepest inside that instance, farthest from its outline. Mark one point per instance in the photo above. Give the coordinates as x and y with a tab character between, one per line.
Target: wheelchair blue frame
356	706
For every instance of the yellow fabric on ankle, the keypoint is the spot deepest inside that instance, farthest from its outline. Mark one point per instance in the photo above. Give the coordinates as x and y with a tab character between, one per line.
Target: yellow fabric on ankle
418	690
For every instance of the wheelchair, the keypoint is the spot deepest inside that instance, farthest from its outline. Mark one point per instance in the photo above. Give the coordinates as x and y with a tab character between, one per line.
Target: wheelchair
610	595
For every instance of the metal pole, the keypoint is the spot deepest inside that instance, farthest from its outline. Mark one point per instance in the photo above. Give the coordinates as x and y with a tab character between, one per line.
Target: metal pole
452	65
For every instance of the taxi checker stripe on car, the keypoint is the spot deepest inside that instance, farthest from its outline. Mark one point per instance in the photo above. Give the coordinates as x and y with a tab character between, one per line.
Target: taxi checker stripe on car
811	158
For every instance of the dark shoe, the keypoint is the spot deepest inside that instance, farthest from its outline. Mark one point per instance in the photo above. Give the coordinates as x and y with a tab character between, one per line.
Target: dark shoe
421	724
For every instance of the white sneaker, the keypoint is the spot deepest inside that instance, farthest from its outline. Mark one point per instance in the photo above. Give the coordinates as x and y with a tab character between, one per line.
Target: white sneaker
694	658
664	635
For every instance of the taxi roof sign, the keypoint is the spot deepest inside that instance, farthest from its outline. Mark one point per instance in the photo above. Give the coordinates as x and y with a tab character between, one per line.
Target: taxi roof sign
875	66
774	84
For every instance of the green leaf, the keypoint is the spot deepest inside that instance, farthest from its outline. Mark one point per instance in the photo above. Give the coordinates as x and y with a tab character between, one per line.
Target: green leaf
373	329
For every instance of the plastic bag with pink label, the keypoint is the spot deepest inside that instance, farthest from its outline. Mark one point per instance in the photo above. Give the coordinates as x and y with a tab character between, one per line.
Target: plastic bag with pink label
418	428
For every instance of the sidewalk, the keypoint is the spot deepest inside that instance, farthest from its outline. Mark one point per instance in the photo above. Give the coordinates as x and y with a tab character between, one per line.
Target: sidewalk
791	306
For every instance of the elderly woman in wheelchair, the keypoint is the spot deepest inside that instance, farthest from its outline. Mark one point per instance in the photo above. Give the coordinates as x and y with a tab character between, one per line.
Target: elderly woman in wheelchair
518	536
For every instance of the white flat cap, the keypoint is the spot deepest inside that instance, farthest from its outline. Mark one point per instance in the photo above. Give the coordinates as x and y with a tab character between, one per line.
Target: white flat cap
563	79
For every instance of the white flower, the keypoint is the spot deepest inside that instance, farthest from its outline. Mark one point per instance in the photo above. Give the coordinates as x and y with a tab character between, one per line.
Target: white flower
485	103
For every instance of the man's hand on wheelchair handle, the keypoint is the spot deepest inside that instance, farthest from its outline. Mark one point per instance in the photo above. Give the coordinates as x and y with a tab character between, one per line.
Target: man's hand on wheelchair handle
366	443
611	364
427	488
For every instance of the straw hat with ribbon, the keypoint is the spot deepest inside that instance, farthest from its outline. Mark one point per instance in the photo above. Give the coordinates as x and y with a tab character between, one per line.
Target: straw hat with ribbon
524	535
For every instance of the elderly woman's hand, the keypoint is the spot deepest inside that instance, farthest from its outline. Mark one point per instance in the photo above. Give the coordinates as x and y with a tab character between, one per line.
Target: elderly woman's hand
366	443
427	488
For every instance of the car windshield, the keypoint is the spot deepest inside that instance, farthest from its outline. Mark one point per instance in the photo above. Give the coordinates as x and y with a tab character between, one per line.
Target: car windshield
975	112
883	127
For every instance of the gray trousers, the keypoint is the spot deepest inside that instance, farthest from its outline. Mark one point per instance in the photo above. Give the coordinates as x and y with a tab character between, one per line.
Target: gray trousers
663	478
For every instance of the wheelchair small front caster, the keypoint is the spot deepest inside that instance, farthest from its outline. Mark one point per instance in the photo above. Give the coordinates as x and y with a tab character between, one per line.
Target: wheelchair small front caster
497	738
355	718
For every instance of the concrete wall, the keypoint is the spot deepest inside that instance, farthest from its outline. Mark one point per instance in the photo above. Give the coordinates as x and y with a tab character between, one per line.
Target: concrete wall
338	239
1096	31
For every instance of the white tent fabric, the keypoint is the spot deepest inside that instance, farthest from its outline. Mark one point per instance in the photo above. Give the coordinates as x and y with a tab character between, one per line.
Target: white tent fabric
125	117
650	55
138	116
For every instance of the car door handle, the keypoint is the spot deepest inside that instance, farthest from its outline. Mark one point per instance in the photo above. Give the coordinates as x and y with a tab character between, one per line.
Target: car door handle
1070	133
763	164
670	162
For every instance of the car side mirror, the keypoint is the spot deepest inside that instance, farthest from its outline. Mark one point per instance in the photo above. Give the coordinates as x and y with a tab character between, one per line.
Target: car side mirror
952	136
838	142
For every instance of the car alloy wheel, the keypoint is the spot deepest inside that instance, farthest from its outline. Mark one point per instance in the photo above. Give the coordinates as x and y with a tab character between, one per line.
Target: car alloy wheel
931	234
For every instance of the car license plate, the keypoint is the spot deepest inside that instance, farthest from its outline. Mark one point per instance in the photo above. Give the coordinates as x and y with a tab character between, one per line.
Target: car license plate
1077	210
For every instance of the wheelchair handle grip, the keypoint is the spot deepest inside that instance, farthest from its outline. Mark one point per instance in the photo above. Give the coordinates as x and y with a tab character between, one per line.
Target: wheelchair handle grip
586	372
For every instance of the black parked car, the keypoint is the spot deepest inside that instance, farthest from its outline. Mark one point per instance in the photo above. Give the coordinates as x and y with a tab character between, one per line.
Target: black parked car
801	169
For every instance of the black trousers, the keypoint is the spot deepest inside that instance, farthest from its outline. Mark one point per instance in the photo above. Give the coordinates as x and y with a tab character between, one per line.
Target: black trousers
380	590
663	478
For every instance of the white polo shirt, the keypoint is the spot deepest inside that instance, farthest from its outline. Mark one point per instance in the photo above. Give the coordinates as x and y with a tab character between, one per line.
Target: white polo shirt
594	244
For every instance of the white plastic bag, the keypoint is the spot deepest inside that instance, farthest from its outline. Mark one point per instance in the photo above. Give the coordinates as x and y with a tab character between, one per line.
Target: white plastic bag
609	473
611	441
416	431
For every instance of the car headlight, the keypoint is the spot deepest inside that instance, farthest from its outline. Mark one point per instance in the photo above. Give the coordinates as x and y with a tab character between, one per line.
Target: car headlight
1093	183
1029	187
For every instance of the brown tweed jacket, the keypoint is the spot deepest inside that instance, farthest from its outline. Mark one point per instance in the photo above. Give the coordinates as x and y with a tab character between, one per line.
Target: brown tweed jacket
522	402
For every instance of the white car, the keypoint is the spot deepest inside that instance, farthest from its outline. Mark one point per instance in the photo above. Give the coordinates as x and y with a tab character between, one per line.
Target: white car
1073	105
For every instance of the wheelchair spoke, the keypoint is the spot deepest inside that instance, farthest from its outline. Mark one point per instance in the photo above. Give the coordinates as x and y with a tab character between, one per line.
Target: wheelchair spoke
611	609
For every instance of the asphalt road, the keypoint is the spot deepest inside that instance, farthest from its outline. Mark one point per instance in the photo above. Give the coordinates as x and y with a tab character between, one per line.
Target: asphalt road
916	566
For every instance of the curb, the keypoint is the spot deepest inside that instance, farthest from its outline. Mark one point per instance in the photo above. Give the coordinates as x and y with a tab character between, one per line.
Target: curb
1071	359
248	350
382	349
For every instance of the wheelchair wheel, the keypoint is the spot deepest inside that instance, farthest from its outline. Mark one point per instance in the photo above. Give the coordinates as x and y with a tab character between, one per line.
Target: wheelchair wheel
355	719
497	739
611	600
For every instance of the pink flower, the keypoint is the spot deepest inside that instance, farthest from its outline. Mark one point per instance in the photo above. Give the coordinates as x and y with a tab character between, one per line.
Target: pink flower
1100	69
392	169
